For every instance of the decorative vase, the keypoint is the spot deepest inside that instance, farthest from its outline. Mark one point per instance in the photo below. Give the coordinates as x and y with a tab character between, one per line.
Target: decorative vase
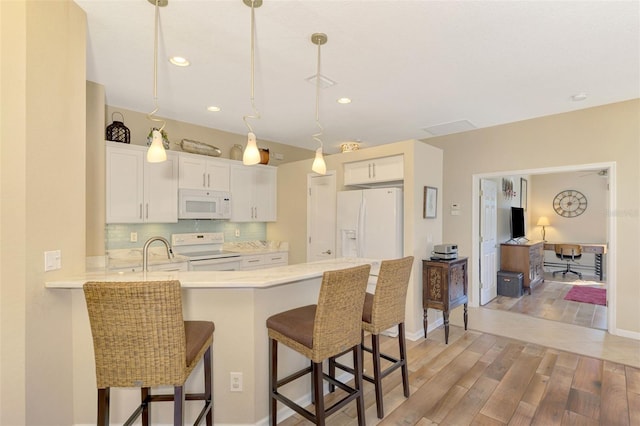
264	155
236	152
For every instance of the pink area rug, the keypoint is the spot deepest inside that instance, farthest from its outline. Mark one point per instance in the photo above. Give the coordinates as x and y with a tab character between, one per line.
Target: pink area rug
593	295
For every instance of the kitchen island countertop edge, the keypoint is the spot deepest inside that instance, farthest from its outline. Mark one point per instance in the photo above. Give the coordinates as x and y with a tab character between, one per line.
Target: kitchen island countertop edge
261	278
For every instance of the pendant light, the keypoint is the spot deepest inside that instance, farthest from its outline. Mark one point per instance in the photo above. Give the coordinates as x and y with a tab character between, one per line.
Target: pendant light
251	154
156	152
319	166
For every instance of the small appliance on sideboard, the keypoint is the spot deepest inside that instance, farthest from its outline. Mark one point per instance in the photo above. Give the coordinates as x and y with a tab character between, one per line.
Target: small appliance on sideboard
444	252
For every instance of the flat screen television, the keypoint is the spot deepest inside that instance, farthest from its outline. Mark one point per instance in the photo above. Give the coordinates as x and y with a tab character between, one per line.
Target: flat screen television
517	222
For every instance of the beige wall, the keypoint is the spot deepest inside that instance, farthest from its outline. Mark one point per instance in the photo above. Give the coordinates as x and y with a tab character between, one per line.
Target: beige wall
96	170
609	133
43	203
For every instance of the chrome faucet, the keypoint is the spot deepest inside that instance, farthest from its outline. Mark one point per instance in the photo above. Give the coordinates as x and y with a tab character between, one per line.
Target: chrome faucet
145	251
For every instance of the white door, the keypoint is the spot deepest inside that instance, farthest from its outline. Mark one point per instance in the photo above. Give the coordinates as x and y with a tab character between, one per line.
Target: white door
321	216
488	243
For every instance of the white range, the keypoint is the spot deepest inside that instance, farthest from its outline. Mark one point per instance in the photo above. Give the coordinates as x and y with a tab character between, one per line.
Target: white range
205	252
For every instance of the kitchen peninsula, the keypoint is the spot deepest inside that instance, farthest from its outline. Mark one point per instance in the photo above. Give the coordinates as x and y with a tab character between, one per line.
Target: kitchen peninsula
239	302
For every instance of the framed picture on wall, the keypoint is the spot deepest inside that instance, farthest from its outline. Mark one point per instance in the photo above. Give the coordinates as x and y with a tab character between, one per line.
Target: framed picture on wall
430	202
523	193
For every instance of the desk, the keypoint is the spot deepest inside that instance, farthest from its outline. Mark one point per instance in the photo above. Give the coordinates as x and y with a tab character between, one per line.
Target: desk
597	249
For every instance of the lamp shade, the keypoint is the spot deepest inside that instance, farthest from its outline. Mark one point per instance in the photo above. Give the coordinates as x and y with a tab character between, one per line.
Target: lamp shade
319	166
156	152
251	154
543	221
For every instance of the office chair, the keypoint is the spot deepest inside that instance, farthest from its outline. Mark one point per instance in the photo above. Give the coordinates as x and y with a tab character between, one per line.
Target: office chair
568	253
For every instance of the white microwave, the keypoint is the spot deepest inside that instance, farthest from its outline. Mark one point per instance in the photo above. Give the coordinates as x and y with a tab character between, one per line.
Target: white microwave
203	204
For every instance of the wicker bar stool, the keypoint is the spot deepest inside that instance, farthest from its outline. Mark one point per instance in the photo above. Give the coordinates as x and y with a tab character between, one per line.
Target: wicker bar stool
383	310
140	339
319	332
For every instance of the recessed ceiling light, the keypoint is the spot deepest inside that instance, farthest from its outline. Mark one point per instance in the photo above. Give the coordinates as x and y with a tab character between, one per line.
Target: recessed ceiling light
344	101
213	108
579	97
179	61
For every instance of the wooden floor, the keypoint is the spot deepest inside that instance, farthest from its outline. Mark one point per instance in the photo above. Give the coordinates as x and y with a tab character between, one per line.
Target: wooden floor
547	301
490	380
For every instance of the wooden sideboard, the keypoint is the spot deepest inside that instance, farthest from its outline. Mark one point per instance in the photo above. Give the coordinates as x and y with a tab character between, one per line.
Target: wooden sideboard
444	287
527	258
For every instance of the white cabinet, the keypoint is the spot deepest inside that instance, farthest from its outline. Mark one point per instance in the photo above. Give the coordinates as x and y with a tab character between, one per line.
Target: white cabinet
138	191
251	262
253	193
277	259
200	172
376	170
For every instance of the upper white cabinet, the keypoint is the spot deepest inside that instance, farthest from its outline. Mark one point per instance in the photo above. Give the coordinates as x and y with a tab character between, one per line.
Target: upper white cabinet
200	172
253	193
138	191
374	171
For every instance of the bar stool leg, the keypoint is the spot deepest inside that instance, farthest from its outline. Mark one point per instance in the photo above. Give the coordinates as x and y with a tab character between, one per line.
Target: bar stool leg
273	378
208	385
178	404
316	373
377	379
403	359
357	379
144	394
103	406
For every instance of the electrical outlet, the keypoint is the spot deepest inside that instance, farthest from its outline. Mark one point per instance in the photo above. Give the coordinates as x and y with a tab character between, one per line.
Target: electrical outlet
237	232
235	382
133	237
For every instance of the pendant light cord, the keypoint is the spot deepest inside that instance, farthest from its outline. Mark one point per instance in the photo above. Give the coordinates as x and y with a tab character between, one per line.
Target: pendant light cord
316	136
256	114
150	116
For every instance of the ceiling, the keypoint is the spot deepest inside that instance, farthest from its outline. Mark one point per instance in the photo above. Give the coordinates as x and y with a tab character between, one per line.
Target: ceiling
406	65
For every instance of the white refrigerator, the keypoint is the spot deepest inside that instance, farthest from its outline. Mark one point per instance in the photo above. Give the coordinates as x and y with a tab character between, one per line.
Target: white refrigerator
369	223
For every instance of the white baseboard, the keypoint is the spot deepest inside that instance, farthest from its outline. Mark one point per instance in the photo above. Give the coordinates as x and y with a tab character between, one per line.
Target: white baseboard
628	334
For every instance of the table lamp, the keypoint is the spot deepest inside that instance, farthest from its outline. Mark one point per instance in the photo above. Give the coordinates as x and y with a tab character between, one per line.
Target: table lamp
543	221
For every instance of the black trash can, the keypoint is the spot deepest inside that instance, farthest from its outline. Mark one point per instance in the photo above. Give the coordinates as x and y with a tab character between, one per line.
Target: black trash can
510	283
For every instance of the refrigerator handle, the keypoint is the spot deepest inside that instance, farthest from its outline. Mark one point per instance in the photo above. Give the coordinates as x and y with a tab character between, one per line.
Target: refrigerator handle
361	218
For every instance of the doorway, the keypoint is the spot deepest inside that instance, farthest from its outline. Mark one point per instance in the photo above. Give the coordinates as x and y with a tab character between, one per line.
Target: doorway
321	216
609	258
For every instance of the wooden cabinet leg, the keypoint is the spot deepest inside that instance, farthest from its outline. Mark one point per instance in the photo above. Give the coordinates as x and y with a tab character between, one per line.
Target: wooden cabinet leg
445	314
425	323
466	316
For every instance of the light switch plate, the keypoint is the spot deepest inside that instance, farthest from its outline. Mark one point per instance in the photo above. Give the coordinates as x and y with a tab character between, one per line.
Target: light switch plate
52	260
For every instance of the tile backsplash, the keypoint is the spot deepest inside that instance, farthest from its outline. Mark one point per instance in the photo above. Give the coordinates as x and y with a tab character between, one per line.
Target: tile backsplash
118	236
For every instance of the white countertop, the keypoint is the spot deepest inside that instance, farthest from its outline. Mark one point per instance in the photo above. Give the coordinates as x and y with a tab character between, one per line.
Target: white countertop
263	278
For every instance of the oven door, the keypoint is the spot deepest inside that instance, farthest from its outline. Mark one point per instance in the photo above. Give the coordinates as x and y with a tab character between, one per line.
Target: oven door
219	264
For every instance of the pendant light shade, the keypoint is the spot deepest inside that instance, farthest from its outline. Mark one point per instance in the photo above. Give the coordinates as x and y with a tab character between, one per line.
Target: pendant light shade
156	152
319	166
251	154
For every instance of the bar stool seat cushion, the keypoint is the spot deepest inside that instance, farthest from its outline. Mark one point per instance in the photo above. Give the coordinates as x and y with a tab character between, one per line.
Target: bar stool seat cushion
296	324
368	307
197	334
